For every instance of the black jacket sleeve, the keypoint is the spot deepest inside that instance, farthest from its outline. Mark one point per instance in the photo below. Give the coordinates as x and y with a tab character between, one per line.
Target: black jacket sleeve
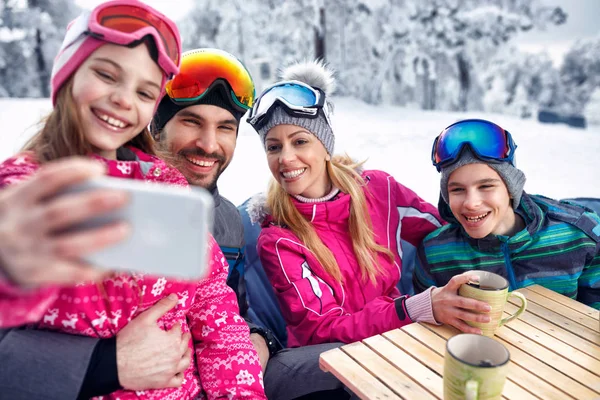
42	364
102	376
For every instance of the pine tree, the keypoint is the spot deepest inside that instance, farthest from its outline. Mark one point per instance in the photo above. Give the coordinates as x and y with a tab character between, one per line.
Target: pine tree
33	33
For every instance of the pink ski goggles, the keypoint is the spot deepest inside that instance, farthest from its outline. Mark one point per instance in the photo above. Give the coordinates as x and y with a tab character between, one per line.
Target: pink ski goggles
124	22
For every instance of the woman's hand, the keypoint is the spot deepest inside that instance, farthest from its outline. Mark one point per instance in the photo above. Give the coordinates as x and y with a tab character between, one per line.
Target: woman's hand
33	252
452	309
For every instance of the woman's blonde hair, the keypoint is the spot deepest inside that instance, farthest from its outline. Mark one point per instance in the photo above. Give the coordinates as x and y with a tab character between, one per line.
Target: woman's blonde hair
62	132
343	175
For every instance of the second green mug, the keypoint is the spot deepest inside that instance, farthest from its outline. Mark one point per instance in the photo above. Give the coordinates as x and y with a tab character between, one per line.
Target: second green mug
475	368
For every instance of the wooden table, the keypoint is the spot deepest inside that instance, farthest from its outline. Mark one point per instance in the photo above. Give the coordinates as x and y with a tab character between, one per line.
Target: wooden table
554	354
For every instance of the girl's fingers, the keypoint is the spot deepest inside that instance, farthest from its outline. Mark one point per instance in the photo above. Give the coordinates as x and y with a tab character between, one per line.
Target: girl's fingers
79	244
472	317
61	272
61	213
457	280
471	304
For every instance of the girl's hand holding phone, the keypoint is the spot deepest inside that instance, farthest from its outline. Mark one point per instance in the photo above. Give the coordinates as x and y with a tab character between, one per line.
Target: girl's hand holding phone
33	251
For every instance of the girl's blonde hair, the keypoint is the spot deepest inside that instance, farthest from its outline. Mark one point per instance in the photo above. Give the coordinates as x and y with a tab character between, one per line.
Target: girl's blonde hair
343	174
62	132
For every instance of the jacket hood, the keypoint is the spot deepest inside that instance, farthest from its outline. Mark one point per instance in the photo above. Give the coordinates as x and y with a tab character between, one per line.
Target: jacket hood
445	211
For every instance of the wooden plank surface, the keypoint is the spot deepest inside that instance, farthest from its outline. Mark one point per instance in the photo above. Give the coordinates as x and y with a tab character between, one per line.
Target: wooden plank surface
511	389
406	363
576	356
548	357
573	304
554	348
565	323
561	309
387	373
557	332
351	374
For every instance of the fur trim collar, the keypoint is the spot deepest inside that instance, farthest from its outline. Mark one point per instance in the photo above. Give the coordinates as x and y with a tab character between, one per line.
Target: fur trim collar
257	208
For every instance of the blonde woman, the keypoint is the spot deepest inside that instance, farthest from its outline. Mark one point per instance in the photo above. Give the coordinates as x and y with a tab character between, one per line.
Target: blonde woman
330	242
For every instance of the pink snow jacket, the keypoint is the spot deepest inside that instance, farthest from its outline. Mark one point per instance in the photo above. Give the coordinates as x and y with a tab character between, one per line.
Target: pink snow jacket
225	363
317	309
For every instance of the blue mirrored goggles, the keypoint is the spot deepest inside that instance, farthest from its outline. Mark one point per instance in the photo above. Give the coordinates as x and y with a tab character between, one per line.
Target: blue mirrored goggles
299	99
488	141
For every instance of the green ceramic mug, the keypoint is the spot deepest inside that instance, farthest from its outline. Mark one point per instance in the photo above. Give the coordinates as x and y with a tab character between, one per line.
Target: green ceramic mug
492	289
475	368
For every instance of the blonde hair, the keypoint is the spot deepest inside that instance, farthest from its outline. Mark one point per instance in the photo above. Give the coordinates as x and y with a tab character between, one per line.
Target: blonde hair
343	174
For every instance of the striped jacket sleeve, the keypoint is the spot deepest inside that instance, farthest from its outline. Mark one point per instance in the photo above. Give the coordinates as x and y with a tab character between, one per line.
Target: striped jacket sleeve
313	313
588	291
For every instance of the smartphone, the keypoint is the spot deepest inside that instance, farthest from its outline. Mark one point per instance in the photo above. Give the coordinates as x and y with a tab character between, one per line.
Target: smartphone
169	228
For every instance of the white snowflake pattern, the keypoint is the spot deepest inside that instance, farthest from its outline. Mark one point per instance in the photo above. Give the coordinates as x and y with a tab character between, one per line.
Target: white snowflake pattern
203	314
119	282
260	379
124	167
245	378
159	286
206	330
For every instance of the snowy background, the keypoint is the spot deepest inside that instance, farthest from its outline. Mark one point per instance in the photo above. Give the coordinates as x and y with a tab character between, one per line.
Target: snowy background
405	70
450	55
559	161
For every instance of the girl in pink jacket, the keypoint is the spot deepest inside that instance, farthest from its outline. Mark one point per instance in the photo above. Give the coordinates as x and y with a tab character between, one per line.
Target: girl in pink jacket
330	242
104	95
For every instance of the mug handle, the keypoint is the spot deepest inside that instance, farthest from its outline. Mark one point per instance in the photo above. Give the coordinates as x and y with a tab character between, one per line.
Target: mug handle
519	311
471	390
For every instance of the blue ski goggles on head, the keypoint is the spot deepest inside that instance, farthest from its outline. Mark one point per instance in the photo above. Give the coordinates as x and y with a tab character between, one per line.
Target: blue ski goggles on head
298	98
488	141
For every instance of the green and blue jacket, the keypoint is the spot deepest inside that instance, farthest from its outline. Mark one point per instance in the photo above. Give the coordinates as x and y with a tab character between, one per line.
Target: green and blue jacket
558	249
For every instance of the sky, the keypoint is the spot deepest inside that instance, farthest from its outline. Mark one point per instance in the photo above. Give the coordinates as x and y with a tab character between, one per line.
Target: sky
582	22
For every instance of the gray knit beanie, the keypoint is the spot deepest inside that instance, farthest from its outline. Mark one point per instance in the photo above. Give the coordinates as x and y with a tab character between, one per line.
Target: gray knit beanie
513	177
317	75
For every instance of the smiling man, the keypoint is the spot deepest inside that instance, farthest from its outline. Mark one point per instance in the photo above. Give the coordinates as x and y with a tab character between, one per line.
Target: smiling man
205	138
196	125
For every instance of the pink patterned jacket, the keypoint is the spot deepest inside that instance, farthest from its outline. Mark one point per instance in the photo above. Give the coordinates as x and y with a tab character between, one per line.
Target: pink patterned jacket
225	365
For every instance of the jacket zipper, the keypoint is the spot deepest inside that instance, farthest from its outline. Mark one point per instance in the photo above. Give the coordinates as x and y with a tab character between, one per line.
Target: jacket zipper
509	268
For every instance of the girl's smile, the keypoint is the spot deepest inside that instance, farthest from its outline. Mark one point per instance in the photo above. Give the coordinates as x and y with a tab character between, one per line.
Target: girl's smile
116	90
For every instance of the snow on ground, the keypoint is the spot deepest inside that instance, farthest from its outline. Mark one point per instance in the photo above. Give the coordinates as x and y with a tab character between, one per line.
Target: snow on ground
558	161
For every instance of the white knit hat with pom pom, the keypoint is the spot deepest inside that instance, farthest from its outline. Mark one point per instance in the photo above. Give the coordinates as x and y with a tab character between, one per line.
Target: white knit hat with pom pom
317	75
